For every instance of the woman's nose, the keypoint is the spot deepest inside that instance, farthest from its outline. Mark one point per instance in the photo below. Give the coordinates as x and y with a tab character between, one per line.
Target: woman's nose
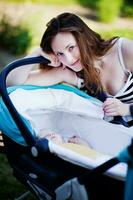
69	58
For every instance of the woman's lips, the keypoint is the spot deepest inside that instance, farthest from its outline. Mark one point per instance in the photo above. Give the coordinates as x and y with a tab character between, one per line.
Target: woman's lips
75	63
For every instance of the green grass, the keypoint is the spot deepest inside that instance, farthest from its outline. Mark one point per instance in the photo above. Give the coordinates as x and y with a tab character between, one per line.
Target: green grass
10	188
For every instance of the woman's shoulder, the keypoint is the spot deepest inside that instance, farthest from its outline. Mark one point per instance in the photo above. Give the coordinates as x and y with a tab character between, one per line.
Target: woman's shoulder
127	52
127	43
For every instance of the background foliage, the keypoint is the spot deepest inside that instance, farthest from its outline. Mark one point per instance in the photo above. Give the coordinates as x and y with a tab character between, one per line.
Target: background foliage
15	38
108	12
19	38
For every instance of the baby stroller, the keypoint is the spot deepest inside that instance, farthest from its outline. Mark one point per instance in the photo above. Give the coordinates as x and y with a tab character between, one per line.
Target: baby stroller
51	171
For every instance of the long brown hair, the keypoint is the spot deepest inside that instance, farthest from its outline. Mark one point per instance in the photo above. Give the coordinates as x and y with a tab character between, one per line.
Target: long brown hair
90	44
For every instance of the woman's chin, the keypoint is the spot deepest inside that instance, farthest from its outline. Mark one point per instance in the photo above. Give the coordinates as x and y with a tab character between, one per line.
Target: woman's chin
77	68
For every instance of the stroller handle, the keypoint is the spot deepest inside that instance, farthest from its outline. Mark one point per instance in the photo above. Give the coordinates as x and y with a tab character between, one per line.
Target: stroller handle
30	140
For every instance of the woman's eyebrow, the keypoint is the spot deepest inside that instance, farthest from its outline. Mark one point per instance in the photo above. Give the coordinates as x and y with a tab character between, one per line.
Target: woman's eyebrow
65	48
71	44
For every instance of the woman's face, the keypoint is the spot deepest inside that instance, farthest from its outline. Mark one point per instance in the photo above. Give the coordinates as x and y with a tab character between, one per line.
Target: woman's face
66	49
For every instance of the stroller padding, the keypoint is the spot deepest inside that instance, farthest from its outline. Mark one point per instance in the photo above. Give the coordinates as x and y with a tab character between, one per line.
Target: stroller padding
82	150
86	157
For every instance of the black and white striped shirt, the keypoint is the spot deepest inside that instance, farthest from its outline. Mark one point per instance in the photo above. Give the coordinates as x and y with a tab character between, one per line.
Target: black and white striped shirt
126	93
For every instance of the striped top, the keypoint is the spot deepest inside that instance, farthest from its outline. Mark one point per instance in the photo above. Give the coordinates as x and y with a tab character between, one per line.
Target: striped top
126	92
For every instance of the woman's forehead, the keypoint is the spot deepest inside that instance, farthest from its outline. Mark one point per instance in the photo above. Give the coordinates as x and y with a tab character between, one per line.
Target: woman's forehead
62	40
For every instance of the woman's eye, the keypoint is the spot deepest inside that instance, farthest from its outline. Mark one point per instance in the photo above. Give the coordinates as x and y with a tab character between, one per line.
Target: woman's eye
59	54
71	48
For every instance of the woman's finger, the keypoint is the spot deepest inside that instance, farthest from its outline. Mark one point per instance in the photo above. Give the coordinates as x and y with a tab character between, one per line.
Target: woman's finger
111	112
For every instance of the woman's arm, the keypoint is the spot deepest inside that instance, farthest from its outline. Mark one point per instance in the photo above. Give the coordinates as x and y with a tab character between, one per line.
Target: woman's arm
45	77
55	75
19	75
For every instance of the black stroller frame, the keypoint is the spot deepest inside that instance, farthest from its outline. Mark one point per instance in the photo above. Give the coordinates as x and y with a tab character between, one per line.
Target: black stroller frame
34	165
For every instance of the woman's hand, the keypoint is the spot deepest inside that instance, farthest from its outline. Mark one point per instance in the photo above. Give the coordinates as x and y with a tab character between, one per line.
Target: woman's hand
54	61
114	107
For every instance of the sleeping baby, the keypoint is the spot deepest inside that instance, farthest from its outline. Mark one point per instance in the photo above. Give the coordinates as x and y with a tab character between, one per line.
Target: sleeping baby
57	138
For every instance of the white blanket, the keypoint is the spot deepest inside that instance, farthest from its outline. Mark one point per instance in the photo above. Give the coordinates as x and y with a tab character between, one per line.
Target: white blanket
53	109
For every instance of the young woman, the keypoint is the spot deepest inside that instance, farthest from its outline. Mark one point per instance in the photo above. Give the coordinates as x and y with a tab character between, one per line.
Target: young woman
104	65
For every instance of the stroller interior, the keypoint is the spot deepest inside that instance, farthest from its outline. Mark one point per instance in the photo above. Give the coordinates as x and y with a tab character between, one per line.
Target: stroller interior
61	171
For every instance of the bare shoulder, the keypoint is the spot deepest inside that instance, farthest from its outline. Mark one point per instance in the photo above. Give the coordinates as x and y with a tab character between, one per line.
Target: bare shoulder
127	51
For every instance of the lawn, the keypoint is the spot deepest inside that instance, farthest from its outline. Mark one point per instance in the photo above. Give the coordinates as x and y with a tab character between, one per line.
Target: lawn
10	188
